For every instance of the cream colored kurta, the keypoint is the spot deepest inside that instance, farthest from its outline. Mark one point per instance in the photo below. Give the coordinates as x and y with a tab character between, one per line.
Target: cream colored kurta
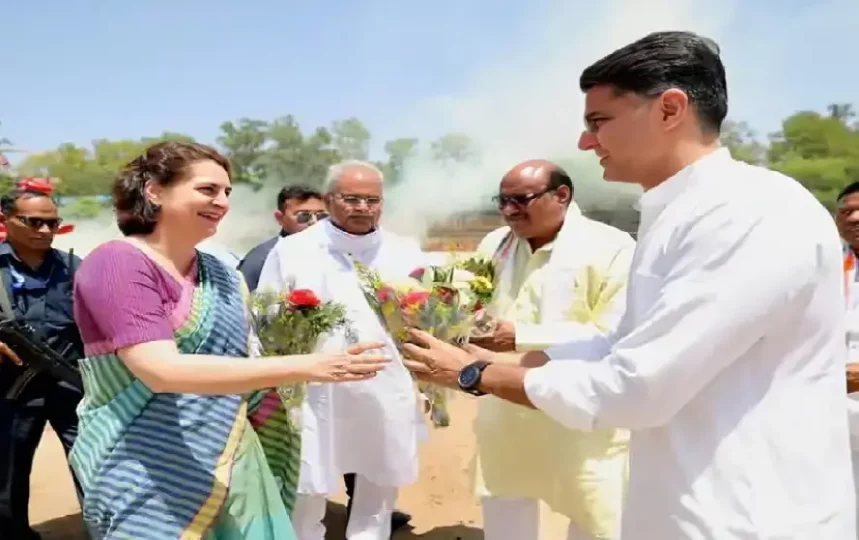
370	427
727	367
571	287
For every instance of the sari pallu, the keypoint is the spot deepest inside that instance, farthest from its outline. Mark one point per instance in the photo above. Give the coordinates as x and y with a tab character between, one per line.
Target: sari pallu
186	465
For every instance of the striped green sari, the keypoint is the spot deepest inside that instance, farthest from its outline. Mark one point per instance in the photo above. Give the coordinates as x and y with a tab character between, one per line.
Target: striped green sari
164	466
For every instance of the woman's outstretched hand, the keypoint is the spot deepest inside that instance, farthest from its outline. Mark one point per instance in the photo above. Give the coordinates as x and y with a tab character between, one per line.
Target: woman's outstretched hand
359	362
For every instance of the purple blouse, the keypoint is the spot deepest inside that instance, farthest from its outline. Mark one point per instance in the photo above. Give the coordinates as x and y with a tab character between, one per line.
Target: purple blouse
122	298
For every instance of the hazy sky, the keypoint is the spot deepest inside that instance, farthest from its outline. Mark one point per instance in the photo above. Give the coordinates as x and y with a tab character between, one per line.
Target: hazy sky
75	71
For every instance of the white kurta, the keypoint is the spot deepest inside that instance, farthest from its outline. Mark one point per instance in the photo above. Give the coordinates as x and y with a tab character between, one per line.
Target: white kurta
369	427
728	365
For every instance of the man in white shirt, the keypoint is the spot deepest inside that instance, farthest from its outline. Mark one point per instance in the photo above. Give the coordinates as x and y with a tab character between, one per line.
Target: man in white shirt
728	365
369	428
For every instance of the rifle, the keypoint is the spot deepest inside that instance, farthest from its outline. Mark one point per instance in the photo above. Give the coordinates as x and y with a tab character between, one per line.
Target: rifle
37	357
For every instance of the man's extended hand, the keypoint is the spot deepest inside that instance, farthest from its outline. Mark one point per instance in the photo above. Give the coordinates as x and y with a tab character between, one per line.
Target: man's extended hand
435	361
503	339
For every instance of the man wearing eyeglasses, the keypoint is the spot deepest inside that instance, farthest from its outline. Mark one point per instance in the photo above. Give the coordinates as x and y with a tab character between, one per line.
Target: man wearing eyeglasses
558	274
298	207
37	281
368	431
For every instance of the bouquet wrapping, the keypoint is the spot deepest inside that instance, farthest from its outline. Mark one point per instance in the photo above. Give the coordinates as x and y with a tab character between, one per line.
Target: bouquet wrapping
292	322
445	301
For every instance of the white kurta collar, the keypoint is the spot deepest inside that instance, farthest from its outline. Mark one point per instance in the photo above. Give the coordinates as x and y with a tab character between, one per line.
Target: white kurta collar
353	244
654	200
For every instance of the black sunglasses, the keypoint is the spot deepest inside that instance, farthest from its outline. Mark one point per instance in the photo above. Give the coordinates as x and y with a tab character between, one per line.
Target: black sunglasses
37	223
305	216
519	201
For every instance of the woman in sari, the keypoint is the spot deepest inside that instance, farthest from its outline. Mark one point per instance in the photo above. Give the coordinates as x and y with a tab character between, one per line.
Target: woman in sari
179	437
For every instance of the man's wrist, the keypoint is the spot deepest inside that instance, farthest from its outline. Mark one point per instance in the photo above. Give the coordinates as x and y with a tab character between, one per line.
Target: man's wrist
469	378
505	381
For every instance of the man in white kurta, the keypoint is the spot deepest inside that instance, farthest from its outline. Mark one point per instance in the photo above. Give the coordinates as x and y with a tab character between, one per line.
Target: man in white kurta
557	273
371	428
847	219
728	365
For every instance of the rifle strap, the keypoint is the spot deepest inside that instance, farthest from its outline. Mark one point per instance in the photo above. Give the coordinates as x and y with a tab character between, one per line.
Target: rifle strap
72	267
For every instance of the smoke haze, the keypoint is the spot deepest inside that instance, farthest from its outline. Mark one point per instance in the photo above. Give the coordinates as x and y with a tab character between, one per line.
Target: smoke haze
526	103
529	106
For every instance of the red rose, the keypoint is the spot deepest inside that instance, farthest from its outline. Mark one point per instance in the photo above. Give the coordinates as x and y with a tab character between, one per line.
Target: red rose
385	294
303	298
477	307
414	299
418	273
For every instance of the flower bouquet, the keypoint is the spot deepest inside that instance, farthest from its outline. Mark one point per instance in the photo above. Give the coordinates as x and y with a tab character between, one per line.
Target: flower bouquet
445	301
482	285
291	323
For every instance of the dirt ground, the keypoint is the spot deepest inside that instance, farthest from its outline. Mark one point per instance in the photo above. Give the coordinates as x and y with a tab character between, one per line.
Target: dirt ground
441	502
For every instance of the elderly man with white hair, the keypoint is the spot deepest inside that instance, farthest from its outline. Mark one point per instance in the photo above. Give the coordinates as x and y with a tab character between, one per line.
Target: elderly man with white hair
370	428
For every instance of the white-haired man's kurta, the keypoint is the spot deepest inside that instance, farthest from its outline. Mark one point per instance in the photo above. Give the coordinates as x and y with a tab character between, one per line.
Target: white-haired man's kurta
575	285
371	428
727	367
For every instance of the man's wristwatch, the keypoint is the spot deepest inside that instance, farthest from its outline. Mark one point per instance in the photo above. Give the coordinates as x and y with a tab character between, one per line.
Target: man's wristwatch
469	377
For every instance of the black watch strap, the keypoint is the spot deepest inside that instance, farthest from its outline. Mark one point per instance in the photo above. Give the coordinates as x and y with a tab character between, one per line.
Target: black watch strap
470	377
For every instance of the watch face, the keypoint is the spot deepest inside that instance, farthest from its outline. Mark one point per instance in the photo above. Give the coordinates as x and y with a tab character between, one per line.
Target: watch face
469	376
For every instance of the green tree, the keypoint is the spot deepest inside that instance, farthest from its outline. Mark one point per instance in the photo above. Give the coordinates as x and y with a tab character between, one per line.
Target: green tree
453	148
740	139
244	143
351	139
398	151
821	150
319	154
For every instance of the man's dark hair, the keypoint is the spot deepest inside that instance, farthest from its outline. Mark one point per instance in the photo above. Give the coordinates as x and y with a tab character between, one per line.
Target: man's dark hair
164	164
10	199
559	177
850	189
665	60
299	193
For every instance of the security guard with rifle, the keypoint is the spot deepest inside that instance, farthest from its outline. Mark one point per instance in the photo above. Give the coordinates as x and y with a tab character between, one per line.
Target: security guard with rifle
39	346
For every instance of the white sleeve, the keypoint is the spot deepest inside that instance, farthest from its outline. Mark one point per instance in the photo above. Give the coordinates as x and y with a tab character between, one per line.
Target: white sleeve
721	294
